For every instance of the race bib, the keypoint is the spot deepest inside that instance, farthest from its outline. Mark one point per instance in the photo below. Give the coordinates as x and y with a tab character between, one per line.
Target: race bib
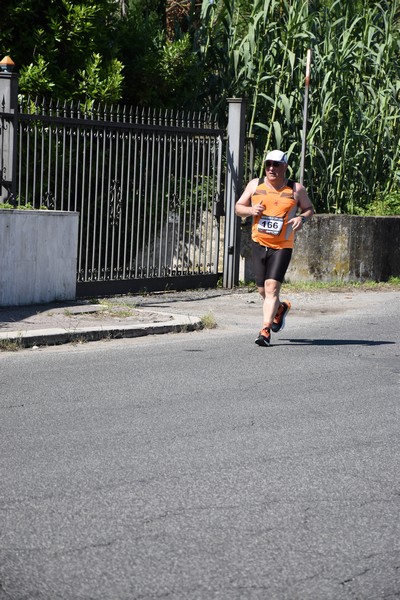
272	225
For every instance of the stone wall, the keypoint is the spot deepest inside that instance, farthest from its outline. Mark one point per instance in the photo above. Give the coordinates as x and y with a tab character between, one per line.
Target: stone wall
338	247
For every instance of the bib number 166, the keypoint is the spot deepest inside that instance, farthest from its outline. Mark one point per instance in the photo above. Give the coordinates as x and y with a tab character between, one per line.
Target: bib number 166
272	225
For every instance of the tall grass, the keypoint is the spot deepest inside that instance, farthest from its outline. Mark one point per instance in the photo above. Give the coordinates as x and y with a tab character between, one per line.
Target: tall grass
257	50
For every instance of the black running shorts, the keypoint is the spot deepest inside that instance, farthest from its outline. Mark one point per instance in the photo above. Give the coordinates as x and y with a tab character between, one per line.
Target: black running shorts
269	263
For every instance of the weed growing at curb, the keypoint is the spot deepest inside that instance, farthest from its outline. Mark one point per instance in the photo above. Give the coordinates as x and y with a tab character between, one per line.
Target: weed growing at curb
78	341
10	345
118	308
208	321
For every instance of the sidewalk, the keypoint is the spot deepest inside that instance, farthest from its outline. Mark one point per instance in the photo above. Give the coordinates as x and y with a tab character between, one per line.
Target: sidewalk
64	322
126	316
166	312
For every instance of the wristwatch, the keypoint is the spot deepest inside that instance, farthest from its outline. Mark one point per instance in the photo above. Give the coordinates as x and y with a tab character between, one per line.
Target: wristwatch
303	220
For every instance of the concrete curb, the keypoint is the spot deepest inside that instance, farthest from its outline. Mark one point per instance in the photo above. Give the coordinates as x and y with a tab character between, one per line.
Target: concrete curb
57	336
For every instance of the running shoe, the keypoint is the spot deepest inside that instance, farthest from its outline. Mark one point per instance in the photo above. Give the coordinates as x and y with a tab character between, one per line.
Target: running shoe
264	337
279	321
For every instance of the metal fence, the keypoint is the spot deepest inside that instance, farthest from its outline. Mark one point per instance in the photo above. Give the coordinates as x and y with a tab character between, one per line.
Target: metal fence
150	187
147	186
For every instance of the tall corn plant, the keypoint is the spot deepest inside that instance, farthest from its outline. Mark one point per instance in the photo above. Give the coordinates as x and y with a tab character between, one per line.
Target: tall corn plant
257	50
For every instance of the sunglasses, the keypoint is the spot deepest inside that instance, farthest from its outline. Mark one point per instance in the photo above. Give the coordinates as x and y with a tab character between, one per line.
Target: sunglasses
273	163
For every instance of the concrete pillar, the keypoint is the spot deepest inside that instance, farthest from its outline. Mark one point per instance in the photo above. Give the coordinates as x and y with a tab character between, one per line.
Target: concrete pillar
8	129
234	183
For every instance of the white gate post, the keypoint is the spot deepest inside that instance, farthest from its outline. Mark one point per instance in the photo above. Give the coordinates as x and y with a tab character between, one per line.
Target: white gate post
234	183
8	129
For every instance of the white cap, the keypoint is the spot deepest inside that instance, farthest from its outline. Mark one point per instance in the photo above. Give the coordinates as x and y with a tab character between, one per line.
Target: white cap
276	155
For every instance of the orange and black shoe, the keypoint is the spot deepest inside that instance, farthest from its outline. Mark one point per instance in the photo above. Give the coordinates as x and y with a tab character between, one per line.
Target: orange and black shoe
279	321
264	337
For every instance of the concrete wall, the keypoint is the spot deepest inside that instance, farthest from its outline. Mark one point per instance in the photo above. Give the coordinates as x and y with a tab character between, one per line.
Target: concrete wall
38	256
339	247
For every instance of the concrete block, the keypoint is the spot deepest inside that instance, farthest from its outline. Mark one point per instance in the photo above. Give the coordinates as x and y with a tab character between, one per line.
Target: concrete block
38	256
339	247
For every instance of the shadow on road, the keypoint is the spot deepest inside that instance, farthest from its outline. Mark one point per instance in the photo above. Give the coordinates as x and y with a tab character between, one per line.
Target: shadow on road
329	342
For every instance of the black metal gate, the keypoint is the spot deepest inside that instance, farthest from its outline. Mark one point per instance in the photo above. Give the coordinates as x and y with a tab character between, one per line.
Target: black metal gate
147	187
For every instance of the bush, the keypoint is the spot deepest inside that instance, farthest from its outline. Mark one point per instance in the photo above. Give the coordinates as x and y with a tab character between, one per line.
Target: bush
385	205
21	206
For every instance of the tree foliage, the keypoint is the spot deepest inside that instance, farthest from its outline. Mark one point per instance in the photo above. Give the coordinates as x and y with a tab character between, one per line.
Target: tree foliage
159	72
65	47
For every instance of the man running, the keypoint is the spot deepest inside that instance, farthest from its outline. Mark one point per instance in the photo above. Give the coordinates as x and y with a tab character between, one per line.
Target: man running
273	201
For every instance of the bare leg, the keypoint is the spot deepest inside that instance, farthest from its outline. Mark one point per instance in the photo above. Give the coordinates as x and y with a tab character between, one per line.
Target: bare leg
270	294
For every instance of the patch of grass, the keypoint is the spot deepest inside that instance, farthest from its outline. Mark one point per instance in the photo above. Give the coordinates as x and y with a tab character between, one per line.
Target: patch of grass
310	286
121	301
341	285
208	321
118	308
251	287
10	345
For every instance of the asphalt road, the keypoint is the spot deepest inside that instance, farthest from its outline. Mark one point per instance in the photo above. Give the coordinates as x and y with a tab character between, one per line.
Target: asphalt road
199	466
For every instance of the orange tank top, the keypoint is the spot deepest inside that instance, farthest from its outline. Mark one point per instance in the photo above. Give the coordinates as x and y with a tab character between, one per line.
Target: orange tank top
271	228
